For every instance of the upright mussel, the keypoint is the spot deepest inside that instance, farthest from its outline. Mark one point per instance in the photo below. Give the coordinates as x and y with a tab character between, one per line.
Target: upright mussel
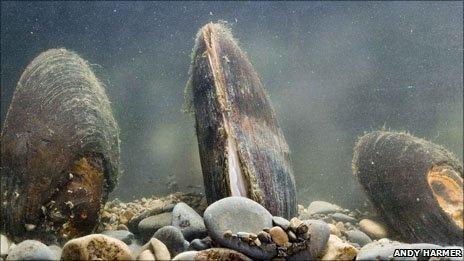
60	150
242	149
416	185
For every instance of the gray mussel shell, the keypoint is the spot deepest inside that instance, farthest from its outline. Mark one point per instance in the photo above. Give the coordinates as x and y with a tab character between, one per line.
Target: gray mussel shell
59	114
232	109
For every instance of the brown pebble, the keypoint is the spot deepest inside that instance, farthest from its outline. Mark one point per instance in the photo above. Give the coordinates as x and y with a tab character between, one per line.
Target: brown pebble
278	235
297	226
257	242
122	227
264	237
227	233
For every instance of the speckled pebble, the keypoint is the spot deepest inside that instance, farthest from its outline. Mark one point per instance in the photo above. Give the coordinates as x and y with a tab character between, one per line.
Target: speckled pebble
173	238
31	250
84	248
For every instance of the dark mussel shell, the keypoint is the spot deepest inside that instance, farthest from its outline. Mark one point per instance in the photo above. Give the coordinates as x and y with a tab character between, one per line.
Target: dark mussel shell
60	150
416	185
242	148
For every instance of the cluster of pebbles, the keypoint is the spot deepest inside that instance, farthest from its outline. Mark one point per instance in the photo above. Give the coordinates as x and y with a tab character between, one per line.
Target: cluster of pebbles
182	227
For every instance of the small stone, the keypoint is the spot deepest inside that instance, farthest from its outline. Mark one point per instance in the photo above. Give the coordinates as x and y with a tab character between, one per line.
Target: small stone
318	235
30	227
374	229
186	256
244	236
221	254
238	214
297	226
291	236
278	235
339	250
31	250
122	227
83	248
173	238
358	237
148	226
257	242
157	248
189	221
146	255
123	235
382	249
4	246
227	233
343	218
281	222
198	244
334	230
322	207
56	251
264	237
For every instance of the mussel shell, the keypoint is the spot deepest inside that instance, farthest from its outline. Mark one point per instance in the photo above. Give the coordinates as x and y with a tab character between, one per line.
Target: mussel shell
396	171
232	111
59	122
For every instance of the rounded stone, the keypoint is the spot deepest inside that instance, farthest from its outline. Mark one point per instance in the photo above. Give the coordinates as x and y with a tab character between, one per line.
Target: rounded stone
221	254
173	238
374	229
5	244
148	226
31	250
186	256
123	235
83	248
382	249
188	221
343	218
157	248
198	244
318	235
322	207
278	235
281	222
146	255
238	214
338	250
358	237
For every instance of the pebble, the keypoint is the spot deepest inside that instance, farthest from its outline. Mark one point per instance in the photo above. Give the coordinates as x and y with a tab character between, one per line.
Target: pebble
173	238
264	237
382	249
281	222
374	229
31	250
198	244
157	248
297	226
339	250
83	248
278	235
189	221
221	254
123	235
334	230
148	226
343	218
56	251
4	245
322	207
291	236
357	237
238	214
146	255
318	233
186	256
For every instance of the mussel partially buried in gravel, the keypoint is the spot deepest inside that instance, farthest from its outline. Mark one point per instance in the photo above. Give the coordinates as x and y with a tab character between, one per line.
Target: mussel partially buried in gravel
60	150
242	149
416	185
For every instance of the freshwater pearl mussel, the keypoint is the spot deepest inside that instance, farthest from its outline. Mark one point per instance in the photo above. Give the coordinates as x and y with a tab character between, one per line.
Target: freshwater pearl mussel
243	151
60	150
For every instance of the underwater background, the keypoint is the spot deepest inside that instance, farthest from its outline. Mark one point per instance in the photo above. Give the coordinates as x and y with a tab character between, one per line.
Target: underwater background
333	70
